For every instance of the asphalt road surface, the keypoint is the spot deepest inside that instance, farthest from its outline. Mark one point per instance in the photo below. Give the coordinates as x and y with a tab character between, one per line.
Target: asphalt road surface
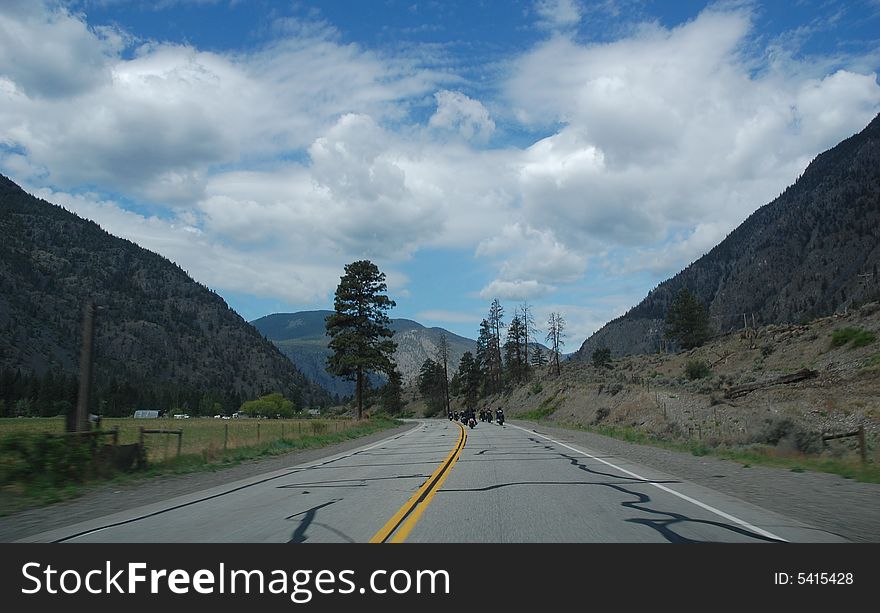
442	482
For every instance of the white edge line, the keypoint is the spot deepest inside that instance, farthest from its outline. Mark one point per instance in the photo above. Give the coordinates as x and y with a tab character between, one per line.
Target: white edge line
702	505
357	450
385	440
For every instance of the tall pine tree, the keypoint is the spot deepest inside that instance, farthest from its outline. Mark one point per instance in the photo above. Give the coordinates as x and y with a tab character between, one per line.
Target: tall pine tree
360	337
687	321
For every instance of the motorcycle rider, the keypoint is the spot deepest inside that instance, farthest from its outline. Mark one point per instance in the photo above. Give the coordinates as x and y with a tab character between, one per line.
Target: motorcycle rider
499	416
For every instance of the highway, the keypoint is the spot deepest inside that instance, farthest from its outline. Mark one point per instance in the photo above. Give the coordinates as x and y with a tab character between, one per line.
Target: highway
442	482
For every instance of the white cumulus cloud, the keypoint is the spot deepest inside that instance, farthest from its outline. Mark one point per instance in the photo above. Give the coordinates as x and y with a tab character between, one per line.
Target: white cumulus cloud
269	168
467	116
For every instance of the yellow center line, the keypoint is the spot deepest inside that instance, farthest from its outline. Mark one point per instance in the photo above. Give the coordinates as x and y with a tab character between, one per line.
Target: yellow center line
406	517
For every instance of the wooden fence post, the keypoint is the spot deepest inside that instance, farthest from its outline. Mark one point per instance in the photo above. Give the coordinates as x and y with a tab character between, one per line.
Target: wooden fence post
225	435
258	433
863	448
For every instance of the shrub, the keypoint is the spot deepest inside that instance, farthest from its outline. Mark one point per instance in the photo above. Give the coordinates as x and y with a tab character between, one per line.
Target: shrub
699	449
602	357
320	427
855	336
601	414
431	410
696	369
785	429
32	456
271	405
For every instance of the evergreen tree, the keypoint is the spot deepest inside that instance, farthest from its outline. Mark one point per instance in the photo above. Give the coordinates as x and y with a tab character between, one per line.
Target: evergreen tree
486	358
360	337
539	358
514	349
431	386
455	385
470	374
602	357
687	321
495	364
392	393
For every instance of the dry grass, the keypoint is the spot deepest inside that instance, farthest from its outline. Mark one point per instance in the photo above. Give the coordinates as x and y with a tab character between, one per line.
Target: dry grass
653	395
204	436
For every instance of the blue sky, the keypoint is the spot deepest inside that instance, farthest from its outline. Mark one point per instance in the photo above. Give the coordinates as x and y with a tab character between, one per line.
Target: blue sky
566	153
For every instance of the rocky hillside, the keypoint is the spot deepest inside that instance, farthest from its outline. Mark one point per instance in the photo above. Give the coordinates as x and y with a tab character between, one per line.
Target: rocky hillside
783	385
161	339
811	252
301	336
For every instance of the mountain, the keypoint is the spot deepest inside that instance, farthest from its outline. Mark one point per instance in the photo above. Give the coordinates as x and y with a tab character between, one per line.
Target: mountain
161	338
302	338
810	252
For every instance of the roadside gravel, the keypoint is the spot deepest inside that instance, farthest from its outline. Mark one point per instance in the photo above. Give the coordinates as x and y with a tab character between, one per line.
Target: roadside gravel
829	502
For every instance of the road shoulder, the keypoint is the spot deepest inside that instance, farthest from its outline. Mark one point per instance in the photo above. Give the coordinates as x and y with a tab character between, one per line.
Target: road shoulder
108	498
830	502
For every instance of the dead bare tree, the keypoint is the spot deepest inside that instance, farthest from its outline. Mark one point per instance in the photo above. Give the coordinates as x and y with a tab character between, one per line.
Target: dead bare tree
555	334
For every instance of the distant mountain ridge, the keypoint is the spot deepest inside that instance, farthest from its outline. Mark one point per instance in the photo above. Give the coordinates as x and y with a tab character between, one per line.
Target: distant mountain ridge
161	338
811	251
302	338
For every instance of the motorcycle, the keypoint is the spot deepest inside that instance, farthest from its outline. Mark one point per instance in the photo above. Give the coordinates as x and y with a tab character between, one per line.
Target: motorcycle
500	419
472	422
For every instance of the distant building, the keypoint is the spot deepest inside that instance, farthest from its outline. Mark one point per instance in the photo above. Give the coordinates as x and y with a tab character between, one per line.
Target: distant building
146	414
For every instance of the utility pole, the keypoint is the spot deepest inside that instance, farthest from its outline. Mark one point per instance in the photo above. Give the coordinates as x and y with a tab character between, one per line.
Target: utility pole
85	368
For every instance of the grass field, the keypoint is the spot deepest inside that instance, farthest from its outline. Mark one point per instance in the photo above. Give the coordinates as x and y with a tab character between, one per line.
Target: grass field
206	436
28	478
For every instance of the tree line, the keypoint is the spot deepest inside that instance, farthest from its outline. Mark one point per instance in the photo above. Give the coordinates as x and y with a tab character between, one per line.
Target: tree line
502	362
507	354
54	393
